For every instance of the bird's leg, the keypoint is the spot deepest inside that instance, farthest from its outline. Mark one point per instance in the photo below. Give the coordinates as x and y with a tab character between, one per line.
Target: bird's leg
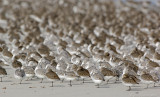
129	88
147	86
1	79
83	80
41	80
154	85
20	81
107	81
52	84
62	80
78	78
70	83
97	85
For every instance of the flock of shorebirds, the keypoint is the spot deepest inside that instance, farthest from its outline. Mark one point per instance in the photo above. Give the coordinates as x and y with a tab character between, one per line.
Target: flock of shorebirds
69	40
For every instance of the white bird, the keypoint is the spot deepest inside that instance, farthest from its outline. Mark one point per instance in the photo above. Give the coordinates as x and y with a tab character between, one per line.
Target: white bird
40	72
97	77
29	71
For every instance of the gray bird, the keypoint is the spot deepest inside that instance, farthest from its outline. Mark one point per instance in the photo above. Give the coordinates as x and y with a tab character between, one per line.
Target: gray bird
19	74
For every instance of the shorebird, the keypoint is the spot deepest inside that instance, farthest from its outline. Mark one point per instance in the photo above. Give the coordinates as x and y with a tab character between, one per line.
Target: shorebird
146	78
7	53
130	68
19	74
21	56
107	57
43	50
152	64
2	72
61	74
53	63
16	64
52	76
29	71
75	68
97	78
108	74
49	58
32	62
2	63
83	73
35	55
156	56
115	61
111	48
70	76
137	54
129	80
155	73
40	72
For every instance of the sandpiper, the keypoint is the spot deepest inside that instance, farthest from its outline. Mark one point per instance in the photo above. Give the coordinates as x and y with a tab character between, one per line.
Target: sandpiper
97	78
108	73
16	64
156	56
7	53
43	50
40	72
83	73
29	71
52	76
70	76
2	72
19	74
129	80
146	78
61	74
136	53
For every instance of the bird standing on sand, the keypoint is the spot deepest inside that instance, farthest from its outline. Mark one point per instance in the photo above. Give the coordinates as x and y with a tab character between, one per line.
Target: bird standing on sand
40	72
2	72
108	74
29	71
52	76
16	64
97	78
129	80
19	74
147	78
70	76
83	73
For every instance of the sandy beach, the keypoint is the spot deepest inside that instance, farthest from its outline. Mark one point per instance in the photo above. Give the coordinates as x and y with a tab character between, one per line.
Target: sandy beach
10	87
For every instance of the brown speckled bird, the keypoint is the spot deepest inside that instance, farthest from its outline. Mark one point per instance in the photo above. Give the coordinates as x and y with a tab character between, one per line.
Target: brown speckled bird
43	50
16	64
129	81
83	73
147	79
7	53
108	74
52	76
2	72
